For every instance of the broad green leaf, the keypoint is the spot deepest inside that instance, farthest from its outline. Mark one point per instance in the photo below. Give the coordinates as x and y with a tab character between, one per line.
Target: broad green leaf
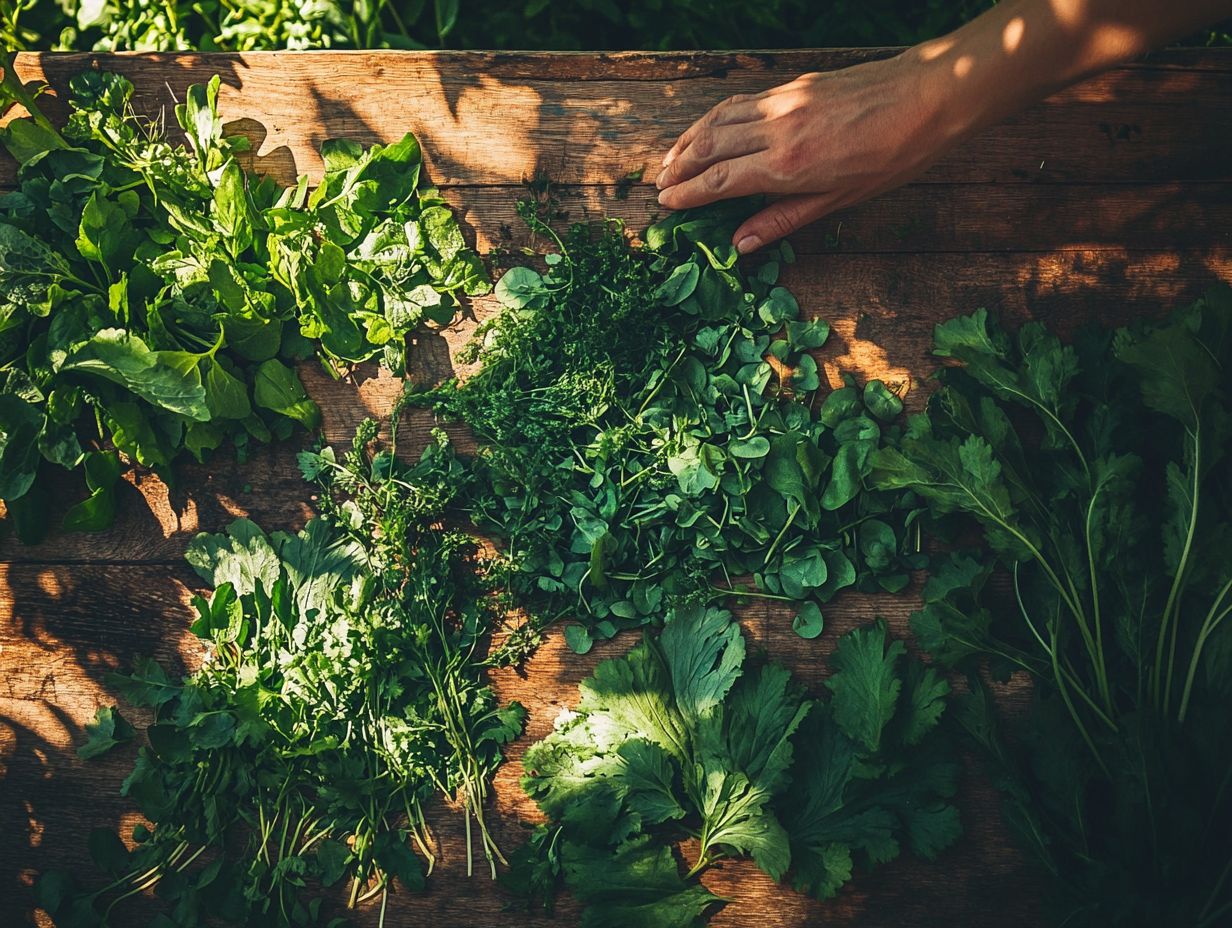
807	334
97	512
638	884
21	423
881	402
123	358
703	651
865	683
232	211
277	387
679	285
518	286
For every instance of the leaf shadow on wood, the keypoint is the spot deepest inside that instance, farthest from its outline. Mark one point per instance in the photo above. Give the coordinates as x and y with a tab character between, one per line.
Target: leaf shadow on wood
66	629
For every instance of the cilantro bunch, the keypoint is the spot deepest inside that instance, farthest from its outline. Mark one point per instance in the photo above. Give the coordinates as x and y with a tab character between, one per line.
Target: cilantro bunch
342	688
153	297
1099	473
680	738
654	430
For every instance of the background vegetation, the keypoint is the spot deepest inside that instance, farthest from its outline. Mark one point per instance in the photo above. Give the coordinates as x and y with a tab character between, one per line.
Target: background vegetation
242	25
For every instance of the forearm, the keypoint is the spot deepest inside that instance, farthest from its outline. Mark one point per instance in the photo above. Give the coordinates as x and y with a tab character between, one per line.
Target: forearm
831	139
1023	50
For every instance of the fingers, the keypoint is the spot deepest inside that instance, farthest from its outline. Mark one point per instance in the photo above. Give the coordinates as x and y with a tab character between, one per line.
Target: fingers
723	179
781	219
732	111
710	146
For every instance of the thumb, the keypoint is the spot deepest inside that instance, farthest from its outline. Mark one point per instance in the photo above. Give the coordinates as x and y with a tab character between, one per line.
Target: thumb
779	219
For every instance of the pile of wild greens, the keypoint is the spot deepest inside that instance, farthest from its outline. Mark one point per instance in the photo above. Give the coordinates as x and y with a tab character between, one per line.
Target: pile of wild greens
342	688
153	297
682	738
1100	474
654	431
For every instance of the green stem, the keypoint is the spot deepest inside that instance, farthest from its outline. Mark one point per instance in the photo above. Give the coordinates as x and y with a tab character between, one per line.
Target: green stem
791	517
1101	669
754	594
1206	916
1209	624
1069	704
1168	626
1050	648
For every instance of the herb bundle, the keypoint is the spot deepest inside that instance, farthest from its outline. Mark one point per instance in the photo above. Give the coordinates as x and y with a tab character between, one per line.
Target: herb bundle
679	738
153	298
653	432
343	688
1100	475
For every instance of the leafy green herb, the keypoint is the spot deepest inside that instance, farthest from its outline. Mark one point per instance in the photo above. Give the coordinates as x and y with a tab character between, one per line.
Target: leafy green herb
108	730
342	689
154	298
654	431
1099	474
679	738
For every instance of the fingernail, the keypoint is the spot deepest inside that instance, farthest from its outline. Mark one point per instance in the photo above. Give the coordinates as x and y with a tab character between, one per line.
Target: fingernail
669	158
749	243
662	194
659	179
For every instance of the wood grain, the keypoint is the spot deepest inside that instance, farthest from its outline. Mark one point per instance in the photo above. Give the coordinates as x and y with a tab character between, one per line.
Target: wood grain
493	118
1105	203
920	218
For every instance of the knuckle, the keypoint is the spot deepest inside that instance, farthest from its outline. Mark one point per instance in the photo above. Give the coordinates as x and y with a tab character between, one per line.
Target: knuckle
716	177
704	144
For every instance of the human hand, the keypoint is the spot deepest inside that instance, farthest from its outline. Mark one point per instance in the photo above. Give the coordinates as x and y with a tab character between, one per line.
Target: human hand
826	140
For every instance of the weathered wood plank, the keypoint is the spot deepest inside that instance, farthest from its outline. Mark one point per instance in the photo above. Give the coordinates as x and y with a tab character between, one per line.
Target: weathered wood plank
59	639
921	218
482	125
882	309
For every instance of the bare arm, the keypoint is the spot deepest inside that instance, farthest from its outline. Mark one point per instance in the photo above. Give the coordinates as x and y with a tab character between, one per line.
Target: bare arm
832	139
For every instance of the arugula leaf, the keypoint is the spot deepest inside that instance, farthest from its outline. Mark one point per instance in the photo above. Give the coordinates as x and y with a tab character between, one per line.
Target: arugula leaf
108	730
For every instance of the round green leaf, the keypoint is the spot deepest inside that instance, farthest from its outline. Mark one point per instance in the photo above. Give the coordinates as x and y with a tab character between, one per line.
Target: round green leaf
578	639
881	402
756	447
519	286
679	285
808	622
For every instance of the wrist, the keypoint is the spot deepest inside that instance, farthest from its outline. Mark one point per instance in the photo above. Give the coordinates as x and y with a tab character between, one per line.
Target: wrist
947	108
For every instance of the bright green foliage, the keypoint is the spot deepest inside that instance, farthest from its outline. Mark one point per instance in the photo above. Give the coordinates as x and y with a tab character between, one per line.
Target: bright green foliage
342	688
654	428
154	298
681	738
239	25
165	25
1099	474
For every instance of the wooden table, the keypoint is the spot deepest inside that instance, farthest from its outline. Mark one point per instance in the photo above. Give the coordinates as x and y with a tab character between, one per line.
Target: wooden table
1108	201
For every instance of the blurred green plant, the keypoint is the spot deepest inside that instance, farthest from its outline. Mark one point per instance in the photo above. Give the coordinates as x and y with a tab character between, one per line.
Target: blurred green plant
247	25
